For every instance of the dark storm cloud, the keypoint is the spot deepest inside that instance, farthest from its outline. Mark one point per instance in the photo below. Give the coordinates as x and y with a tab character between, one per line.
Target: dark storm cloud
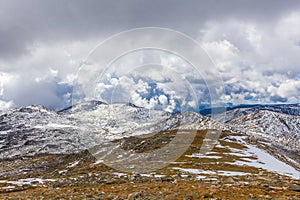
24	22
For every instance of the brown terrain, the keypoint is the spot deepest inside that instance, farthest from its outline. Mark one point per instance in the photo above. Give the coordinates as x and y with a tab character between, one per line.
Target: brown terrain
79	176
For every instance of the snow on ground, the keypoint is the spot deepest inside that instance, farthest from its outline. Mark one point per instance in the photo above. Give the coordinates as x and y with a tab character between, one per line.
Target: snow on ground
231	173
98	162
194	171
28	181
73	164
119	174
268	162
54	125
250	155
210	172
199	177
198	155
255	157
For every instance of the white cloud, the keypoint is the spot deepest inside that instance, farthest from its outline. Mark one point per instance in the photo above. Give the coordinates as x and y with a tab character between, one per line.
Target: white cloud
255	57
163	99
5	105
5	78
45	76
254	44
288	89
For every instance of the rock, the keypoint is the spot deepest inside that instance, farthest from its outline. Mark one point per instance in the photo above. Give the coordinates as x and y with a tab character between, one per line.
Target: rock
294	187
89	196
229	180
167	179
178	177
112	196
113	181
275	188
134	177
134	196
261	173
188	197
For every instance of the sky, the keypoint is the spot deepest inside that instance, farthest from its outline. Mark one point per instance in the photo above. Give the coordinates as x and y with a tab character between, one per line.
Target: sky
254	45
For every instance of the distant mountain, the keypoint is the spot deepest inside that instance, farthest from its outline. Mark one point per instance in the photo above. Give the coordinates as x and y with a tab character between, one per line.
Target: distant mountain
275	126
34	130
291	109
43	151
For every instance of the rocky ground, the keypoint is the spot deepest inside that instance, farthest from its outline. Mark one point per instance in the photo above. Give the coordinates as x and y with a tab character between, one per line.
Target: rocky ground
213	176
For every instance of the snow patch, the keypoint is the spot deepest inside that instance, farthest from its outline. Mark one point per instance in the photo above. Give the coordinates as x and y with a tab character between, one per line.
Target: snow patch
73	164
268	162
28	181
198	155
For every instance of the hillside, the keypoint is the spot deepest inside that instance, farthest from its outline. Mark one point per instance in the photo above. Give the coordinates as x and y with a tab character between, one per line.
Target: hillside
57	154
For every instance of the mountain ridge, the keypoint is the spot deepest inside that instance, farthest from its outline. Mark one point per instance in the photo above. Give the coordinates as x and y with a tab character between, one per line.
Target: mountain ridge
292	109
36	129
30	129
44	151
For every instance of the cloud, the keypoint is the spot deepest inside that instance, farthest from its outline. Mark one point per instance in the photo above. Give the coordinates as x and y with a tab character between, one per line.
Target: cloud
153	86
163	99
24	90
45	77
258	61
255	46
288	89
144	92
5	105
53	21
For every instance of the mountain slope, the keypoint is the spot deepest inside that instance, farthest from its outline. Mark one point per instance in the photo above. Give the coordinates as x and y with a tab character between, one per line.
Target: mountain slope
275	129
34	130
276	126
237	111
42	152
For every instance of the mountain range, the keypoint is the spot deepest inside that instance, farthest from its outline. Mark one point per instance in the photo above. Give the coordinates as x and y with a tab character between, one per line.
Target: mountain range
248	146
33	129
